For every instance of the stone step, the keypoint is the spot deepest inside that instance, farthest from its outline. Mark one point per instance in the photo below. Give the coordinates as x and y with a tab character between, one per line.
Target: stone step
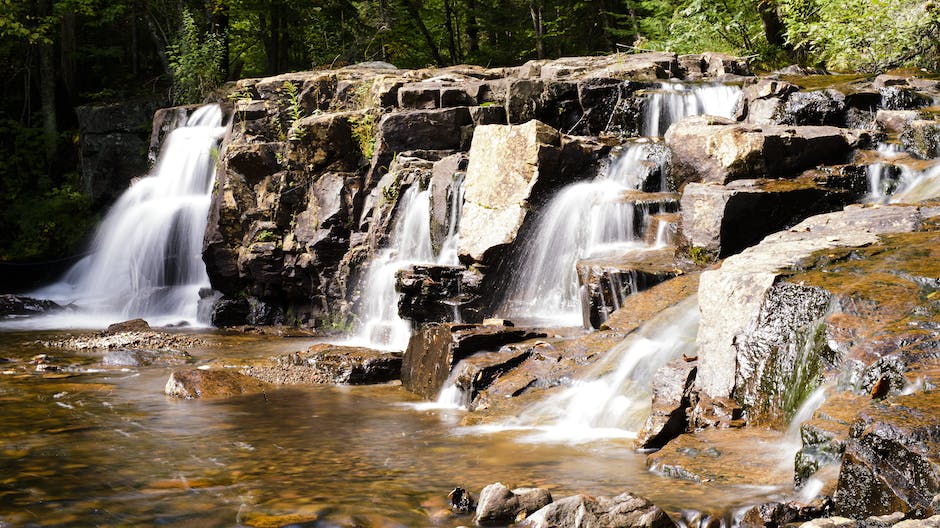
606	281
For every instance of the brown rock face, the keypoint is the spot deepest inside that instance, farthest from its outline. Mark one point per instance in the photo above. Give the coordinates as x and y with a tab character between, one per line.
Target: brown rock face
715	150
434	351
623	511
892	459
195	383
326	363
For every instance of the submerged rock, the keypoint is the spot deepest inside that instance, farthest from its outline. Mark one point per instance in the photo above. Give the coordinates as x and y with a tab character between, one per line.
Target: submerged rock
145	358
499	506
582	511
325	363
197	383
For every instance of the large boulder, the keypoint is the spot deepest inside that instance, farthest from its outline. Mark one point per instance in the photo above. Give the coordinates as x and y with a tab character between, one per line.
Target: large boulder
922	138
716	150
504	172
712	215
753	324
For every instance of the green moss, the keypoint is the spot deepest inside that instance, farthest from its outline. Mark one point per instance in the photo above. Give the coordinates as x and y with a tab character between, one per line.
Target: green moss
266	235
701	256
363	131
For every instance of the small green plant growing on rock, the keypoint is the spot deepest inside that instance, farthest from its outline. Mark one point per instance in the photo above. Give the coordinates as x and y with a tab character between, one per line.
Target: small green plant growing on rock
266	235
700	256
363	131
391	192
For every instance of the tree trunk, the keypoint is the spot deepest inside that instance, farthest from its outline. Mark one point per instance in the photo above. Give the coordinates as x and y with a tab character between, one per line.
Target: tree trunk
449	26
535	9
473	28
774	30
47	90
428	39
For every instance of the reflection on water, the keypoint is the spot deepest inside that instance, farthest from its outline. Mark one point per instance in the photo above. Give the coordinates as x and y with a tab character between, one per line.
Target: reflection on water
107	448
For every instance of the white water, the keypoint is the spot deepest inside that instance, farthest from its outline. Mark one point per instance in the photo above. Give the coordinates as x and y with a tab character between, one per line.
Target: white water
409	243
613	400
879	186
381	327
674	101
584	220
918	187
145	260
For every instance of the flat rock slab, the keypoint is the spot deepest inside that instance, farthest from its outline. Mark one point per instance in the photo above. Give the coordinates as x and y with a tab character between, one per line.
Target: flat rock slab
214	383
325	363
748	456
127	340
640	307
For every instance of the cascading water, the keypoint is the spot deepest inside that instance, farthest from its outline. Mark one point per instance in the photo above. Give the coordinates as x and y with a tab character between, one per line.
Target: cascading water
879	185
917	187
674	101
145	260
382	327
595	218
583	220
614	400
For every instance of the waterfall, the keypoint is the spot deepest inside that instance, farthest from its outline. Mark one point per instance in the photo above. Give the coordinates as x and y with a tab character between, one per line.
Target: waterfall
409	243
917	187
583	220
146	257
674	101
879	183
613	400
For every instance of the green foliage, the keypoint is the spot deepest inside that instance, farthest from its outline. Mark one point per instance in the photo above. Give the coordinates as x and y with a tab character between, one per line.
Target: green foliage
195	60
701	256
48	225
266	235
363	131
865	35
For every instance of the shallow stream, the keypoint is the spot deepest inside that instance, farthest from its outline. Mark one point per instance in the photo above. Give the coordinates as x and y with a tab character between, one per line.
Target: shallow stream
105	447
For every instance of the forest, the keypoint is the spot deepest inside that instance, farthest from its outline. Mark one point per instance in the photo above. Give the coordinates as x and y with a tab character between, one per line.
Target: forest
56	55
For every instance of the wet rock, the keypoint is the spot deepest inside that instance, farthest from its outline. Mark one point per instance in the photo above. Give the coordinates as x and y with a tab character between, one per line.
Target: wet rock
461	501
17	305
325	363
476	373
716	150
922	138
730	456
823	437
145	358
644	305
419	129
712	215
891	460
446	177
821	107
779	514
581	511
133	325
230	312
506	166
499	506
434	350
429	293
672	388
607	282
762	101
903	98
829	522
196	383
113	140
895	121
731	297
